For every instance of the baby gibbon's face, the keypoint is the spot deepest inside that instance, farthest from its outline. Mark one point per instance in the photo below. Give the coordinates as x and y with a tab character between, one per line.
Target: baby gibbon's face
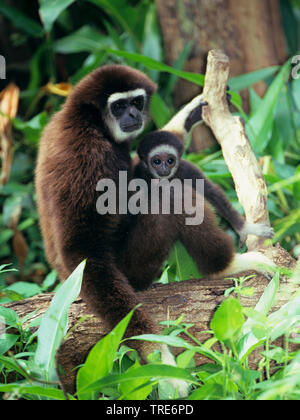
163	161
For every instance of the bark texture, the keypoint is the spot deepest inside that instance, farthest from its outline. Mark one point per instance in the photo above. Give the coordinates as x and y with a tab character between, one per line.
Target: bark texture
230	133
249	32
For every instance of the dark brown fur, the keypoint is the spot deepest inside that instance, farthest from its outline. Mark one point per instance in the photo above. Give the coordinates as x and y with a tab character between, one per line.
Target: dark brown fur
209	246
124	253
75	153
187	170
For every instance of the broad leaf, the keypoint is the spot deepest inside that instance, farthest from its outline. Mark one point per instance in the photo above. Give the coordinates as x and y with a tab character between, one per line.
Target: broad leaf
51	9
227	320
100	360
259	127
21	21
54	324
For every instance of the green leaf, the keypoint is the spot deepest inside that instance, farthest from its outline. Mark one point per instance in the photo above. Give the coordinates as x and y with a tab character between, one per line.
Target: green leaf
152	39
50	280
10	317
252	328
23	389
179	64
296	187
165	339
150	371
32	129
100	360
7	341
54	324
259	127
210	391
185	359
121	12
285	183
159	111
21	21
296	92
198	79
82	40
24	289
244	81
132	389
185	266
9	363
51	9
227	320
10	206
10	294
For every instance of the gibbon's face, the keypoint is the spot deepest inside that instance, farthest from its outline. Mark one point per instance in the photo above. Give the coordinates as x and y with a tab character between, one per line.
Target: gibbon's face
163	161
126	115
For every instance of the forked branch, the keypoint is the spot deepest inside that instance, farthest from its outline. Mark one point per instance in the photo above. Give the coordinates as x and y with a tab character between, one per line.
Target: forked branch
230	132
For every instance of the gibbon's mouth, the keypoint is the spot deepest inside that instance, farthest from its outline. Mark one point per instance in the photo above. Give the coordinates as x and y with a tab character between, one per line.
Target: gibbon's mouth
164	176
132	127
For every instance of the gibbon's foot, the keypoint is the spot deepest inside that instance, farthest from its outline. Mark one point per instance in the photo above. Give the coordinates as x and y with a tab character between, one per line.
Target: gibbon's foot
180	386
190	115
250	261
167	358
195	115
258	229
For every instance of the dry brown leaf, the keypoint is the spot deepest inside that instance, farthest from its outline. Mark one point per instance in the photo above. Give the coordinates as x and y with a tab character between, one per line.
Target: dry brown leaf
9	101
20	247
61	89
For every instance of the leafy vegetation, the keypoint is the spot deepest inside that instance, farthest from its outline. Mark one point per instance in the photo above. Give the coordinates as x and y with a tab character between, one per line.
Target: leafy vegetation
69	40
108	373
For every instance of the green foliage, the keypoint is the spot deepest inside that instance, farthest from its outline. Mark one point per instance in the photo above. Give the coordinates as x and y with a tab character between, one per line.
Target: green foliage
37	366
66	40
111	374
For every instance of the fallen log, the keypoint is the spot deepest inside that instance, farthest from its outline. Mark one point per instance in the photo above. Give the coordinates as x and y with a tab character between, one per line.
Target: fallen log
196	300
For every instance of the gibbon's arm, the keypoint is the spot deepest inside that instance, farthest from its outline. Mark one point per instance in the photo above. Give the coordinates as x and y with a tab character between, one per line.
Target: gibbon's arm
220	202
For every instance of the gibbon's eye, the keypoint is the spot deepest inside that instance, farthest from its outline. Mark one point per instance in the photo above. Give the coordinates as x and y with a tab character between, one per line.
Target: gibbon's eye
171	161
156	162
138	102
118	107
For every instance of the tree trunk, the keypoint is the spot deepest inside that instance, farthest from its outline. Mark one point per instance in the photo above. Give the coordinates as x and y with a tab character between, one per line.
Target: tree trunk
195	299
249	32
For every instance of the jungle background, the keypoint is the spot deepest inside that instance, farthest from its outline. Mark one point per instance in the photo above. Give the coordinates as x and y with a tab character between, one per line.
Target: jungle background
49	46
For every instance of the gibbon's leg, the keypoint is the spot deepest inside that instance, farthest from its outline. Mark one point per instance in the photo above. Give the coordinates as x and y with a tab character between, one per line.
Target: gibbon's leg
107	292
213	194
213	251
148	245
209	246
218	199
220	202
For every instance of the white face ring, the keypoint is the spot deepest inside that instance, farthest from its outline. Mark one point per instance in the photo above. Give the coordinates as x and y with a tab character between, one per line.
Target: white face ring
164	148
111	122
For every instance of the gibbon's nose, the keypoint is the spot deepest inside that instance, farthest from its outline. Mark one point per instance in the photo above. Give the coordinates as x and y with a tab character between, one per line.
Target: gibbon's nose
163	170
133	113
